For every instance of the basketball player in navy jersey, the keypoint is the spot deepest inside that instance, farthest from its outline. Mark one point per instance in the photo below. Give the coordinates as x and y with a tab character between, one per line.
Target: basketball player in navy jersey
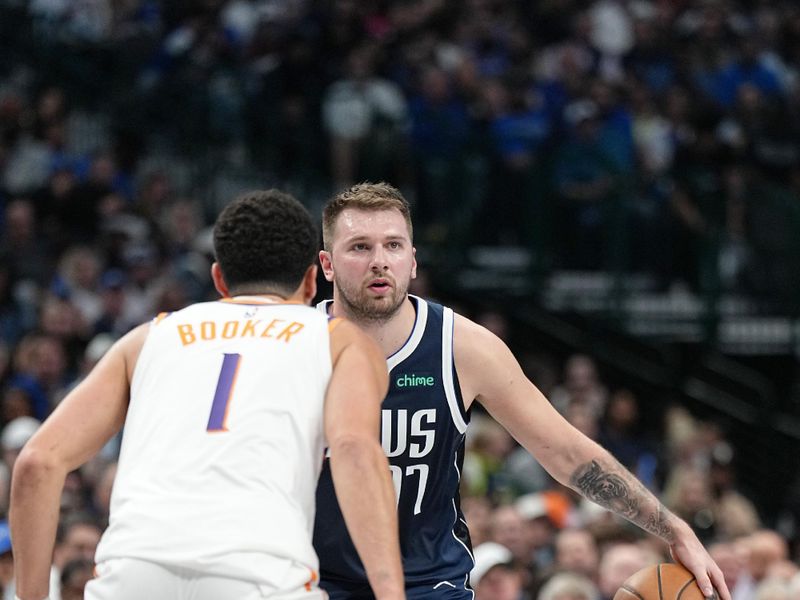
439	364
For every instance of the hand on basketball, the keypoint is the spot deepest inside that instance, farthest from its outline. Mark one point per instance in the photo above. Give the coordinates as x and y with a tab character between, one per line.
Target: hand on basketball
688	551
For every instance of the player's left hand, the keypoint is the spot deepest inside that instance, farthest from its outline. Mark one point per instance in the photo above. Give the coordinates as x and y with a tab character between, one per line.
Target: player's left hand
687	550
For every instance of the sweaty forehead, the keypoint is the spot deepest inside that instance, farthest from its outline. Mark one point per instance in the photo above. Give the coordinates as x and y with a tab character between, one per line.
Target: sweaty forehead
354	222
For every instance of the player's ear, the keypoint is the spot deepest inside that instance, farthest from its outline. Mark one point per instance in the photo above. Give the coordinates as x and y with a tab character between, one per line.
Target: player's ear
413	262
309	284
327	264
219	280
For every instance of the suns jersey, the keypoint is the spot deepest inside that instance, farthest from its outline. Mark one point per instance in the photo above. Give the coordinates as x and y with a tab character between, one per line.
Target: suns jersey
223	442
422	431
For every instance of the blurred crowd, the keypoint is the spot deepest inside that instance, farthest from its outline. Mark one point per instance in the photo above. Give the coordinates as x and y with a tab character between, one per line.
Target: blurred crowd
648	135
536	539
641	135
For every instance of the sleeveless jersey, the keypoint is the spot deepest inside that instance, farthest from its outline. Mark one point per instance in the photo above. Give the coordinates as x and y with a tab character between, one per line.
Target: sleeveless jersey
422	431
223	443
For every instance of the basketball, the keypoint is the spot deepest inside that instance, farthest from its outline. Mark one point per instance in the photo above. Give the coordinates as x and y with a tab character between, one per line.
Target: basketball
664	581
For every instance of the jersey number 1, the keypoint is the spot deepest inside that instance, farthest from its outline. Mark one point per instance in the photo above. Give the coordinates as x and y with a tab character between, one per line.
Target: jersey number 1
222	397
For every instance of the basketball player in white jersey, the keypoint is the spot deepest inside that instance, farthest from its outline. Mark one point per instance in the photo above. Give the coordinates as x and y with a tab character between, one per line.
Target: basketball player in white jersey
227	407
369	257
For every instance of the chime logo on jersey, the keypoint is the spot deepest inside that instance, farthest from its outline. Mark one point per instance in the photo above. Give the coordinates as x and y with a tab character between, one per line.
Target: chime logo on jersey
407	380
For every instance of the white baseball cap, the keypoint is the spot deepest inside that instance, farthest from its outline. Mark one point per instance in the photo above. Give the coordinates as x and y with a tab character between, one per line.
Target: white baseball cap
17	432
487	556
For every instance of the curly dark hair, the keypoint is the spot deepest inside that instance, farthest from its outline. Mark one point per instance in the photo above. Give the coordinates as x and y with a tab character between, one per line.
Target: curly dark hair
264	241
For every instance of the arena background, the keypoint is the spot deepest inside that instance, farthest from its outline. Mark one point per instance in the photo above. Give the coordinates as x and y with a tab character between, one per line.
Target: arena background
617	181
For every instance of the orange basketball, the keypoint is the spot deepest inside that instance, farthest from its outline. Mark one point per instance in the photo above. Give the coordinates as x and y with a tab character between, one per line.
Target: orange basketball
664	581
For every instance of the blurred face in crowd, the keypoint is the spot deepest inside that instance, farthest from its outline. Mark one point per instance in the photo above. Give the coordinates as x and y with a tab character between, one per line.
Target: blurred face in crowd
477	512
507	527
15	403
80	542
764	547
77	575
499	583
618	563
576	551
20	221
730	561
371	262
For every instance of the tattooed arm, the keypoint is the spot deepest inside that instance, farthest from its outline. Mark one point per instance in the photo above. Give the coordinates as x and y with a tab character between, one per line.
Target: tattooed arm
617	490
489	373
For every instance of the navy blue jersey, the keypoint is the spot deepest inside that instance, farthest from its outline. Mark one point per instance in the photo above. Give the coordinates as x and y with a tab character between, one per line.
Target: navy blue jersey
422	431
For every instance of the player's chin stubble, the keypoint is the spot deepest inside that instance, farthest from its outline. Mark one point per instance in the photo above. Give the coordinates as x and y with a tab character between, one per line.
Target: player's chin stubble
363	307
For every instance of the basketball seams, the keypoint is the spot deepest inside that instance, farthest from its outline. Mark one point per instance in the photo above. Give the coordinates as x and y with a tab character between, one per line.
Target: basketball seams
662	581
633	591
683	589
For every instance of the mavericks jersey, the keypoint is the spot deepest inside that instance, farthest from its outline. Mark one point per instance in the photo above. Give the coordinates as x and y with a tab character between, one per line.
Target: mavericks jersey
223	443
422	431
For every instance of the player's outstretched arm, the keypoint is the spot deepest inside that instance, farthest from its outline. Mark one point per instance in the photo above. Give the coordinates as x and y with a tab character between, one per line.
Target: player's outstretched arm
81	424
489	373
359	466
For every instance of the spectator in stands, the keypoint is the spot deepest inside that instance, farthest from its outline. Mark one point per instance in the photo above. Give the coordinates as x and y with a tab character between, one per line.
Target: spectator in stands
581	385
22	244
441	130
621	432
365	117
569	586
586	176
577	552
76	540
74	577
495	577
12	324
619	562
731	558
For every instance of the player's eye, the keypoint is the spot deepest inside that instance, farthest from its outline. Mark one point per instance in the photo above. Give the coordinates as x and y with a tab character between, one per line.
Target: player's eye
394	245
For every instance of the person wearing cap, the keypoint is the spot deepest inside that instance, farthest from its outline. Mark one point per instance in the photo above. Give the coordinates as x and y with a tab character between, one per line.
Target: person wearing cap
495	575
14	436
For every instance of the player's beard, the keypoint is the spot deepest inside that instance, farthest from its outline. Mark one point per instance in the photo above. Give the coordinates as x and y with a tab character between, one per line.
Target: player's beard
360	306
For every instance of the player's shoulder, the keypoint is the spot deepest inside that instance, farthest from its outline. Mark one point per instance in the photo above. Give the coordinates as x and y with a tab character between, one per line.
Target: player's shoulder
471	339
344	331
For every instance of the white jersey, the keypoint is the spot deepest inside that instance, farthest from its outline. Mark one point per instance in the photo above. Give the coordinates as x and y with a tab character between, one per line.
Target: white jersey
223	443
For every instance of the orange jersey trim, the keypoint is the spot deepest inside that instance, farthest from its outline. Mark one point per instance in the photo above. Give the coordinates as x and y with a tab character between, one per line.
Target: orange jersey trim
311	581
333	323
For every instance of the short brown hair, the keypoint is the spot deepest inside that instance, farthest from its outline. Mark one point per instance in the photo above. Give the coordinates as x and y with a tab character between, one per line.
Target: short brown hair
364	196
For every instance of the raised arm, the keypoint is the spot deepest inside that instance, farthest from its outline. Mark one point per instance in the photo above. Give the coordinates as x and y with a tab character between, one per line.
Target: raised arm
359	466
81	424
489	373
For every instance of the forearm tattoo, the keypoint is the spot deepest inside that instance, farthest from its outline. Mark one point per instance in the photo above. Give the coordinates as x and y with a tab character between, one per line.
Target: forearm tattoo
611	491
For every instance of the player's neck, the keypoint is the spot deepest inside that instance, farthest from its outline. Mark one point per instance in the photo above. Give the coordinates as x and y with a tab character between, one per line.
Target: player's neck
390	333
276	298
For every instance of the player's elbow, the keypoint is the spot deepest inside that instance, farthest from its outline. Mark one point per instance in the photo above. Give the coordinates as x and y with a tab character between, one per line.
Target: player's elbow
35	464
353	447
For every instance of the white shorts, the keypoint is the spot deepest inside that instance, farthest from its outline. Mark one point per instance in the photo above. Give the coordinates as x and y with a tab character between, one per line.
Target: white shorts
133	579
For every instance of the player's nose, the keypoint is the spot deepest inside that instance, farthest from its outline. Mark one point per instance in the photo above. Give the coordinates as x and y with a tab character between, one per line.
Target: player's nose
379	260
